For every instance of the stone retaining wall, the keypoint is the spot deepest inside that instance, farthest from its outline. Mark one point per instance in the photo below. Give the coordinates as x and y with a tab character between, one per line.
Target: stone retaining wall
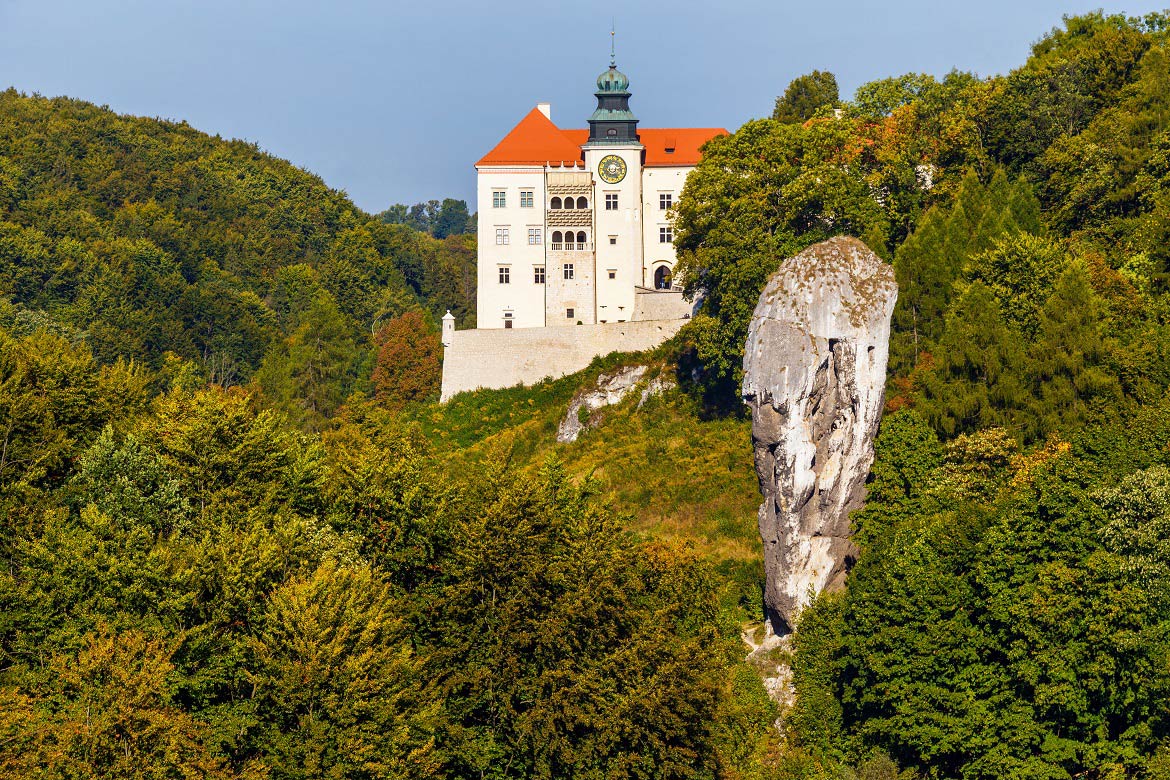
498	357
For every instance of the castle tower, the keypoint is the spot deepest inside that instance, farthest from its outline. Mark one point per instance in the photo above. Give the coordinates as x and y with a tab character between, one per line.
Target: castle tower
613	156
612	121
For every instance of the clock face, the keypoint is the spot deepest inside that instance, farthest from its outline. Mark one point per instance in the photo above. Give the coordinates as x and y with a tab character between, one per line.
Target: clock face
612	169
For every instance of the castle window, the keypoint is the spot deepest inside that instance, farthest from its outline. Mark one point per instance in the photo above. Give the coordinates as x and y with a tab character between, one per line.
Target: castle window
568	270
581	239
611	132
612	273
499	199
508	319
505	274
555	203
526	199
582	203
665	235
534	236
665	200
502	235
611	201
538	275
612	240
568	314
570	203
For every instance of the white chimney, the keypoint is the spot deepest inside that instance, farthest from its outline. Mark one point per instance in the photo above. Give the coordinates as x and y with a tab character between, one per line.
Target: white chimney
546	109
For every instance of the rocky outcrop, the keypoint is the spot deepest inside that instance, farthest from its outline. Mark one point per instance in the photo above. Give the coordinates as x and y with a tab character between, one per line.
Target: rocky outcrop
814	374
610	389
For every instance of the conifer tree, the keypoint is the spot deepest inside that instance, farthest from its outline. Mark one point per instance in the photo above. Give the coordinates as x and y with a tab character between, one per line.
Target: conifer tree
976	380
932	259
311	372
1069	358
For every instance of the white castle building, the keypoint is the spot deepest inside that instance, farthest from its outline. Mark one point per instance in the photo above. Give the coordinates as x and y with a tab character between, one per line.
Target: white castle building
575	229
573	224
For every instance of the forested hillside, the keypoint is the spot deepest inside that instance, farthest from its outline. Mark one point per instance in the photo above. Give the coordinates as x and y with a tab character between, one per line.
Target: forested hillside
241	540
1007	617
145	238
231	550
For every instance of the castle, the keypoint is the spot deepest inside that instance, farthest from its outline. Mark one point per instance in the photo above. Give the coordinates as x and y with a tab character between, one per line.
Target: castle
575	229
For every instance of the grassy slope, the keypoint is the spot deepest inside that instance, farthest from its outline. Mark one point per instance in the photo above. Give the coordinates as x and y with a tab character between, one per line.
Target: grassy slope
675	474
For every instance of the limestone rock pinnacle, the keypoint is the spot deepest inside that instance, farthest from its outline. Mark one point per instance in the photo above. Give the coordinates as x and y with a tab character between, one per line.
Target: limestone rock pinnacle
814	376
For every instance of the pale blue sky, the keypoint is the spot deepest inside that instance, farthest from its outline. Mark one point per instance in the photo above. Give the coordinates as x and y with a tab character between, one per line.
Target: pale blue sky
394	101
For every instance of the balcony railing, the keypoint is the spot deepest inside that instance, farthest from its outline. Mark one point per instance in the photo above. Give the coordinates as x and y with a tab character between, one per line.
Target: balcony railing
573	247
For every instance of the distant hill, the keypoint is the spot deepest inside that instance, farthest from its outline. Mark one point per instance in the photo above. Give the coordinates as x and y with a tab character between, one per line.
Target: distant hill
143	236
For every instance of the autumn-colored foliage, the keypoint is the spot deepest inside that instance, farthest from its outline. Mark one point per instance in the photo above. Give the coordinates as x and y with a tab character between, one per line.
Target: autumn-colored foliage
409	367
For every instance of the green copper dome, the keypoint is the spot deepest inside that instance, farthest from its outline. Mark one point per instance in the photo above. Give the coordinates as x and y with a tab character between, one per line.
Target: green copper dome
613	122
613	80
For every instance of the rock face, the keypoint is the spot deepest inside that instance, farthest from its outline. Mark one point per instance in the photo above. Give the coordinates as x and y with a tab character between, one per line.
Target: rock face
814	375
610	389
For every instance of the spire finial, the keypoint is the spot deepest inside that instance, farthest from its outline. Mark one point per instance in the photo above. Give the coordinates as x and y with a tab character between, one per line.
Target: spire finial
612	34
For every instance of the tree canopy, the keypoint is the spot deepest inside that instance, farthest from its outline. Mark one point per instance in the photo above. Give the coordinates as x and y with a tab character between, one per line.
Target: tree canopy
241	541
805	96
1004	619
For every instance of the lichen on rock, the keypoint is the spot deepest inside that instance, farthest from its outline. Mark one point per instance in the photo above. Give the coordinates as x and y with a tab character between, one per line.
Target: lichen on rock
814	376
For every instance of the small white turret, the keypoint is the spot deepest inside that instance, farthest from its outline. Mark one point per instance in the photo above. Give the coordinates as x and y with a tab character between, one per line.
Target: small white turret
448	328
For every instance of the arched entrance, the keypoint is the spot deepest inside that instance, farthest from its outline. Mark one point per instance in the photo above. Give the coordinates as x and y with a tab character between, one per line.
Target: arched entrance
662	278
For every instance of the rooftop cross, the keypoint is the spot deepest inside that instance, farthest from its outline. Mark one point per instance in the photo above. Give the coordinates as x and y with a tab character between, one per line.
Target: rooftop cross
612	34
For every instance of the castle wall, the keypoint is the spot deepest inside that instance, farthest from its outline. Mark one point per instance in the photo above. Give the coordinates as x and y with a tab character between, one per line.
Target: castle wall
661	305
498	358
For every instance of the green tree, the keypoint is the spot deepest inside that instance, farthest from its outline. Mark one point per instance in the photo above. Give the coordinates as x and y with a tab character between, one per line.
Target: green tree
380	487
977	377
107	711
452	219
556	634
932	259
228	457
1020	270
805	96
1139	527
1072	74
339	689
54	400
1070	358
881	98
311	373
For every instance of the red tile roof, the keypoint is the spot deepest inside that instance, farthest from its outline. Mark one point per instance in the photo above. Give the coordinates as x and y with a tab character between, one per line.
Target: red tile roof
578	137
675	146
536	141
